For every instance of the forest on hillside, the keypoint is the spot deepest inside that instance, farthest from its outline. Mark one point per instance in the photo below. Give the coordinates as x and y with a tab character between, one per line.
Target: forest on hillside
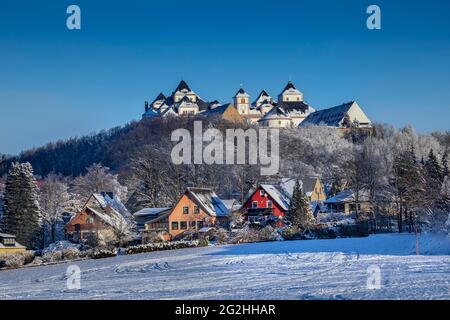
395	166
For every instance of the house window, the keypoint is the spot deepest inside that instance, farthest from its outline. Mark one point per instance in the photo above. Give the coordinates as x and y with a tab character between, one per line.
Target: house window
261	193
183	225
242	100
90	220
196	210
192	224
174	225
269	203
254	204
199	224
185	210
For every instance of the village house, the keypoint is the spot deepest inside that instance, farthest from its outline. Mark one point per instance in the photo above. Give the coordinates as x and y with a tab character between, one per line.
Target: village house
103	216
196	208
8	244
345	202
272	201
312	186
264	203
146	215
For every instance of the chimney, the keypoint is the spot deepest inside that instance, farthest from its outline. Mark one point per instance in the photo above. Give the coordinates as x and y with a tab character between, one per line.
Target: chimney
146	106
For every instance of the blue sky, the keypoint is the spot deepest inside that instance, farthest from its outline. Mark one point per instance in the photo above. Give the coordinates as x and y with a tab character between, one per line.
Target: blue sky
56	83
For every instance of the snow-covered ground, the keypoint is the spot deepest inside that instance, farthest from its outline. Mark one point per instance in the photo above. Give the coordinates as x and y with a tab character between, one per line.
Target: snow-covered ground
315	269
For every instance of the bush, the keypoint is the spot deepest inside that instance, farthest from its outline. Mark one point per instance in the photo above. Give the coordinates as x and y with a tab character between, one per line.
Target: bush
16	260
100	253
54	256
221	235
290	233
71	254
150	247
357	230
155	237
268	233
246	234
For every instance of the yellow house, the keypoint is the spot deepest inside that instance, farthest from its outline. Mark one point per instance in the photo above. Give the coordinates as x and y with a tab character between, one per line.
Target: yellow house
312	186
9	245
196	208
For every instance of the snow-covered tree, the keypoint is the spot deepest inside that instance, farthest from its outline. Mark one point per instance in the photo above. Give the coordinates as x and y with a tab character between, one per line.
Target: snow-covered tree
54	201
300	213
98	179
22	214
444	161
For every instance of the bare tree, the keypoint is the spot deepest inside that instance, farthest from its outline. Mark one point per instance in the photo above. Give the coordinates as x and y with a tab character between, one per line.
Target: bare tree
53	198
98	179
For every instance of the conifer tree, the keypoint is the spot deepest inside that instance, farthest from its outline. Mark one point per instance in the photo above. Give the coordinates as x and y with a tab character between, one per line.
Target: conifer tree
300	214
22	212
444	161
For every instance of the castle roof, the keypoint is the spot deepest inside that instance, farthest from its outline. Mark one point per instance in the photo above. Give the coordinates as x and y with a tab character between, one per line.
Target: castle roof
182	86
275	113
241	92
334	117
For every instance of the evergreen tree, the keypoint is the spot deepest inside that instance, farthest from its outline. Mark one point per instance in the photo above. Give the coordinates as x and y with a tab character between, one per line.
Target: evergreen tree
444	161
299	214
433	169
409	183
22	212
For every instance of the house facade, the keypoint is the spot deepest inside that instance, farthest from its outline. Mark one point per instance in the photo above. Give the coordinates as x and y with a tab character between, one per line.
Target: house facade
312	186
345	202
9	245
265	202
196	208
102	216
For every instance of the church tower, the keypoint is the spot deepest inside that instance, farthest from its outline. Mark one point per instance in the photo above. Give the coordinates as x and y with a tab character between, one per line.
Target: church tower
242	101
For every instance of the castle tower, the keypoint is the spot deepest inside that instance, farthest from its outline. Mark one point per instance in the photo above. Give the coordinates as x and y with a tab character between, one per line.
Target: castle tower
290	94
242	101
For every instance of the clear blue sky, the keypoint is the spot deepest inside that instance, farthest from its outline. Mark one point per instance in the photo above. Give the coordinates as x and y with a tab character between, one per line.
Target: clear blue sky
56	83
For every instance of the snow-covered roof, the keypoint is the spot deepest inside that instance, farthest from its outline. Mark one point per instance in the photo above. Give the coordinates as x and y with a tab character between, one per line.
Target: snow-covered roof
209	200
182	86
275	114
334	117
170	111
112	218
277	195
150	211
295	108
307	184
262	97
231	204
108	208
108	198
241	92
347	196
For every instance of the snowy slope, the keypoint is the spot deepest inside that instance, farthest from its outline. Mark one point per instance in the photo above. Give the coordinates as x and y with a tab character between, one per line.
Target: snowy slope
316	269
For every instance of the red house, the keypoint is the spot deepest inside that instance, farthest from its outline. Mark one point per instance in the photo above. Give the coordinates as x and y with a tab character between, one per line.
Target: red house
265	202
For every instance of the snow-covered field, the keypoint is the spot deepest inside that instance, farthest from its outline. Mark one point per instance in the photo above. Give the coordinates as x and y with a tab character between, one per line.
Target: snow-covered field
315	269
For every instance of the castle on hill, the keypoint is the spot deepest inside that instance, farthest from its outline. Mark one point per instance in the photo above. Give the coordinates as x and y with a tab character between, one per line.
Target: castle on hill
288	111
